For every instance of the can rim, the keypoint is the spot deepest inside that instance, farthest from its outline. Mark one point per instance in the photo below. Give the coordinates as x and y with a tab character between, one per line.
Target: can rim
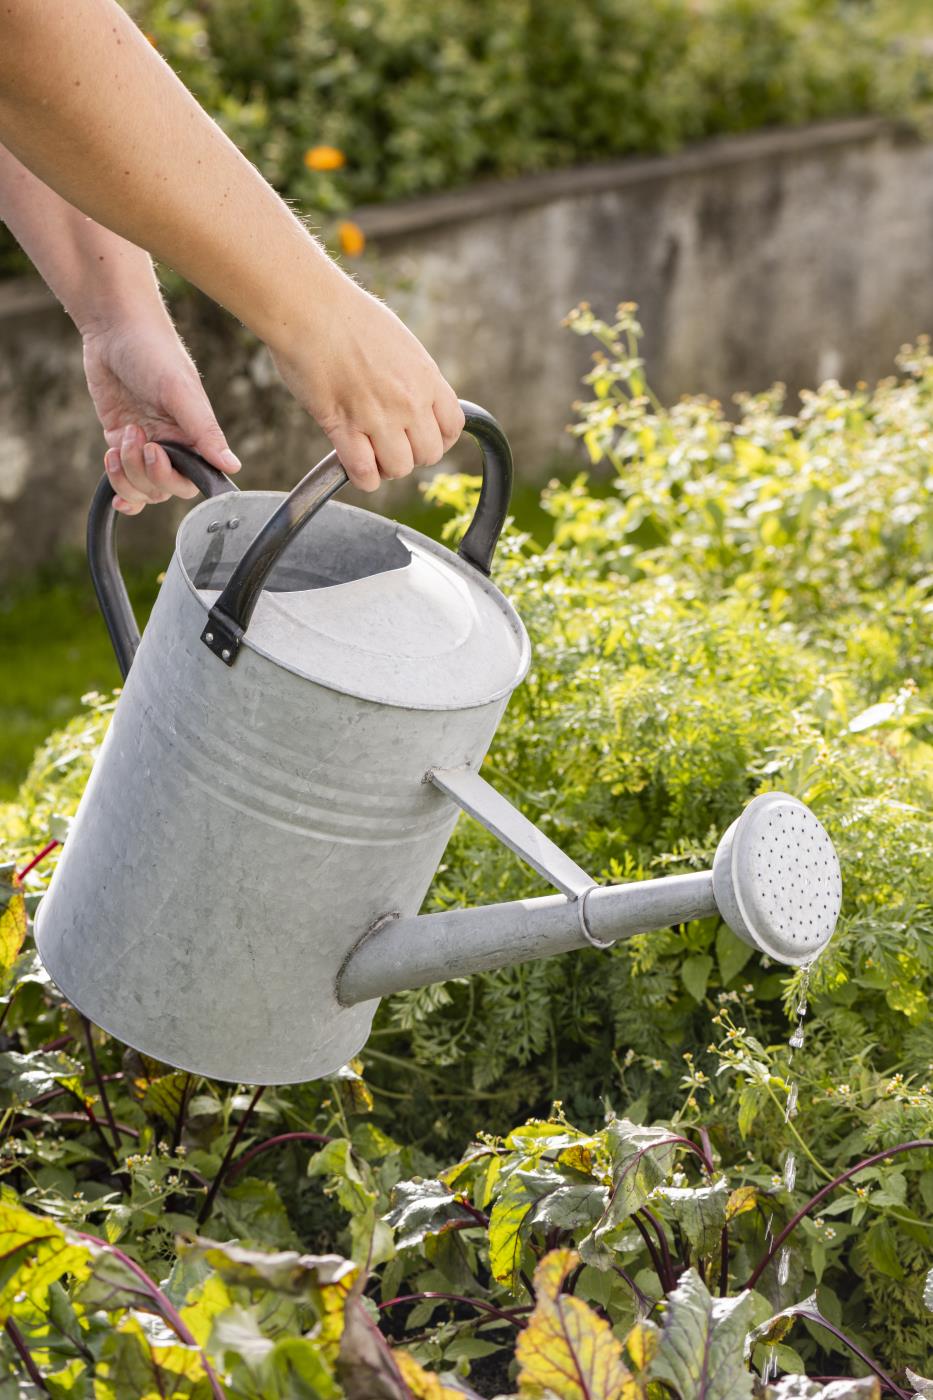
231	501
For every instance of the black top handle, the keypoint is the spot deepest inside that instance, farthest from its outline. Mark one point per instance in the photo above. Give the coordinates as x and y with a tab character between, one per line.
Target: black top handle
230	616
104	564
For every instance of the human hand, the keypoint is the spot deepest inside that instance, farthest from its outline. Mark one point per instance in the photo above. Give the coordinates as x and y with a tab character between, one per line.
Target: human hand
145	385
371	385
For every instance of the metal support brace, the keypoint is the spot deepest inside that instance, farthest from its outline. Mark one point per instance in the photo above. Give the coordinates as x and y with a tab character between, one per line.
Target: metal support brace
493	811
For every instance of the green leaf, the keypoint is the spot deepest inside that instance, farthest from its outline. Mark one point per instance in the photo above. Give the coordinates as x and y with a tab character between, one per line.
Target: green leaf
642	1158
421	1208
701	1351
25	1077
701	1213
731	953
694	973
352	1183
510	1220
297	1275
366	1368
880	1248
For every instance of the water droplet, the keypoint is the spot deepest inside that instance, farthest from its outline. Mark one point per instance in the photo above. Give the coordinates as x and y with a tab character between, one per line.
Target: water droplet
791	1110
770	1368
797	1039
783	1267
790	1171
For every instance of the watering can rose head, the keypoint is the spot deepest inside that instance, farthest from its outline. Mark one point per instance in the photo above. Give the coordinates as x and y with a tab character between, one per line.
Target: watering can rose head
301	724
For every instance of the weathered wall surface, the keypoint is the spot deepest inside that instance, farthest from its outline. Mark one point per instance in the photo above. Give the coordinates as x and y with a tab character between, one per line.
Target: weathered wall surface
789	255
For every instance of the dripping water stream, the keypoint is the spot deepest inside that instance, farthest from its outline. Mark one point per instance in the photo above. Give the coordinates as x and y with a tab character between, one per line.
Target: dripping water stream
789	1171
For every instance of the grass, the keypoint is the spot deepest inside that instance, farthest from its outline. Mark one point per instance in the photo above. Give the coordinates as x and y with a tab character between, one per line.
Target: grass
55	647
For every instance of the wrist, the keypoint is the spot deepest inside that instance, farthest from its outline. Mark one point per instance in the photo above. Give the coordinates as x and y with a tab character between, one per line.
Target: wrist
301	294
117	290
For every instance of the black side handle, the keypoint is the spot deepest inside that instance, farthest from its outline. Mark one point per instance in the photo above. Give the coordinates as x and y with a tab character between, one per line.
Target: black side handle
102	548
230	616
479	543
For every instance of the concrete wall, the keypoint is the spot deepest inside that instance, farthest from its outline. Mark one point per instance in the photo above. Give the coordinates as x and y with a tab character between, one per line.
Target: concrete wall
793	255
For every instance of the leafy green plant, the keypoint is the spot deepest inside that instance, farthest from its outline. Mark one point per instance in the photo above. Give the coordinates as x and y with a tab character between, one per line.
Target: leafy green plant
737	604
426	97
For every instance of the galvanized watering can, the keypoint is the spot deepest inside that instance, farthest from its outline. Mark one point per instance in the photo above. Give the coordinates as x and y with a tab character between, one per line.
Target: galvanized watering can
301	724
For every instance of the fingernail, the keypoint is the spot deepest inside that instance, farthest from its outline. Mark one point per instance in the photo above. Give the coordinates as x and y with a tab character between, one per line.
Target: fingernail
231	461
111	461
129	433
149	454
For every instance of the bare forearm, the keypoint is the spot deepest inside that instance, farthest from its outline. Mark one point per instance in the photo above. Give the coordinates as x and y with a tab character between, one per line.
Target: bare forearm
122	140
96	275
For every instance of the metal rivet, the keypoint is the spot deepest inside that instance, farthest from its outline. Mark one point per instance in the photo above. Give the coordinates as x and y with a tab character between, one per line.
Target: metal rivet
225	654
214	525
232	524
208	637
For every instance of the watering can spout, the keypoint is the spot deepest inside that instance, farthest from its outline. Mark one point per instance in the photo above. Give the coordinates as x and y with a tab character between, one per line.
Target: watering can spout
775	881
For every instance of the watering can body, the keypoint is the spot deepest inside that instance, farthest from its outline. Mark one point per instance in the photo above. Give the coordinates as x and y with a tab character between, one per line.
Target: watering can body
244	825
301	725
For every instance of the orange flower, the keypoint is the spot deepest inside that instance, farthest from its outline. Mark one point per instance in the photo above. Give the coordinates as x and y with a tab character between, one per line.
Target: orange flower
352	238
324	158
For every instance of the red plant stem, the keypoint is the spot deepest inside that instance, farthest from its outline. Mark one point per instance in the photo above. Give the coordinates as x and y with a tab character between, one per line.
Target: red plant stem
627	1278
215	1185
101	1086
46	851
164	1306
28	1360
90	1115
124	1128
58	1043
512	1315
659	1269
259	1147
180	1119
821	1321
479	1216
662	1241
814	1201
724	1262
707	1151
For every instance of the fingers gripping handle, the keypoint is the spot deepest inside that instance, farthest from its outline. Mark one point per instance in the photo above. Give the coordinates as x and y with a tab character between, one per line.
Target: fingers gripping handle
102	548
230	616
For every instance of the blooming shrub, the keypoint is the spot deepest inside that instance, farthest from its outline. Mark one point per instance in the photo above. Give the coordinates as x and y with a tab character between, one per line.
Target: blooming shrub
424	97
732	606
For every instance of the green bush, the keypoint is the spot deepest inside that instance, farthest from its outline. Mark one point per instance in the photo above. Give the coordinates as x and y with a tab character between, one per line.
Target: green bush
745	605
426	97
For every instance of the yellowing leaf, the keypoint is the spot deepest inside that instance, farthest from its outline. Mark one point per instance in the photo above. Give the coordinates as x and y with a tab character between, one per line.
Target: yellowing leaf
423	1384
12	921
142	1360
163	1097
642	1344
34	1252
324	158
352	238
742	1199
567	1350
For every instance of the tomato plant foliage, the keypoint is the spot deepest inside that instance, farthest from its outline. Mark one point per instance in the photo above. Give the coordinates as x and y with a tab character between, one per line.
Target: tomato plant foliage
724	605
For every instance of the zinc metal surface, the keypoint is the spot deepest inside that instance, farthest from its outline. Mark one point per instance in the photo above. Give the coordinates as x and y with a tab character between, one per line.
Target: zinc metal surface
417	627
241	830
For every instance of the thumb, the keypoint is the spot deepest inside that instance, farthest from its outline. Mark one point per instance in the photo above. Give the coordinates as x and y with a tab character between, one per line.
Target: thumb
199	427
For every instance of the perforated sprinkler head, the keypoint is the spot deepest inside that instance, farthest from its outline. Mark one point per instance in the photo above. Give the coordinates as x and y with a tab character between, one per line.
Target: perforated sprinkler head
776	879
